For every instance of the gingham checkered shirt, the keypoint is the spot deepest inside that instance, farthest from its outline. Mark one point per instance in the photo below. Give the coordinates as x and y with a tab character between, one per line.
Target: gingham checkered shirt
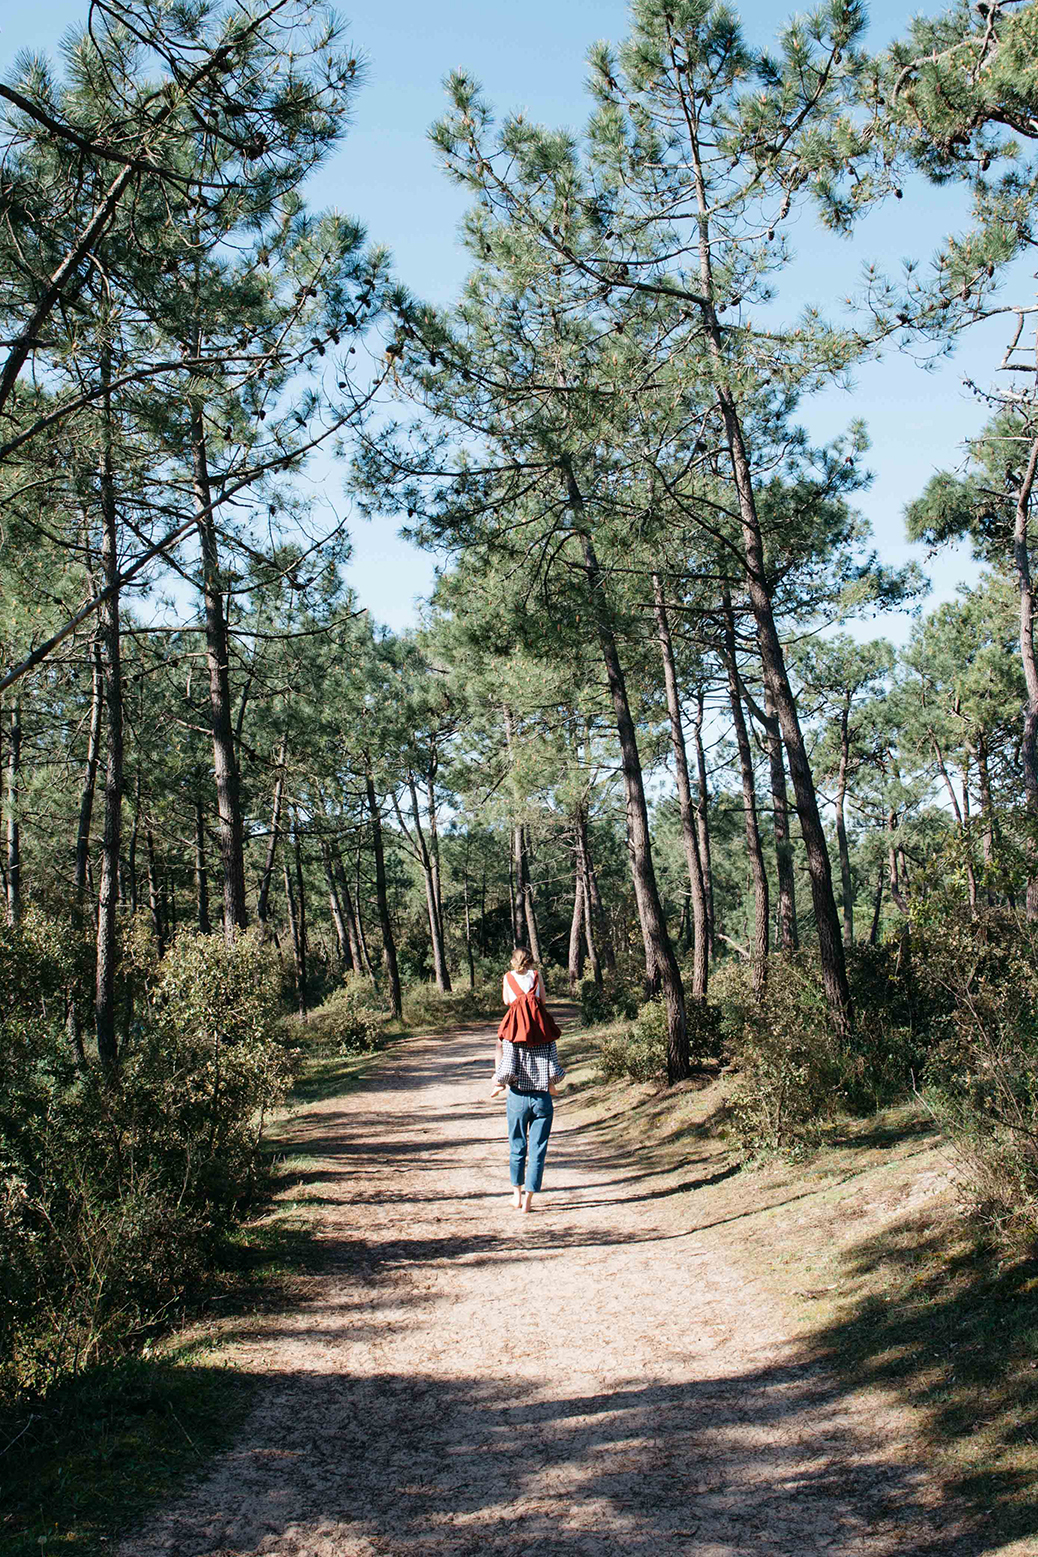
525	1069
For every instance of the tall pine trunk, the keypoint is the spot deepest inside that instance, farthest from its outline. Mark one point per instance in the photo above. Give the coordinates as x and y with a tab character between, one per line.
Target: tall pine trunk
275	829
1029	740
758	873
659	952
776	679
205	925
425	860
14	831
88	788
703	818
789	939
111	838
686	808
381	893
225	761
575	960
847	889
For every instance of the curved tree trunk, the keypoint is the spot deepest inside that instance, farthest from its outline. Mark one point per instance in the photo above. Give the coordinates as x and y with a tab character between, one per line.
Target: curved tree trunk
110	645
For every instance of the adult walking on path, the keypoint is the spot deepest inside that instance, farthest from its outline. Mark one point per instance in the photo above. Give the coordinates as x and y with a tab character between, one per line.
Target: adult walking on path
455	1380
529	1068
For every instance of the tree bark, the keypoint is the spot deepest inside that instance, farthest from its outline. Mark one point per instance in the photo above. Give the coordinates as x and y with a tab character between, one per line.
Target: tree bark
381	895
876	906
588	894
275	828
425	860
88	787
689	836
225	761
575	964
758	873
659	952
111	839
298	954
703	819
847	889
343	944
205	924
358	953
788	935
14	831
1029	741
529	903
297	848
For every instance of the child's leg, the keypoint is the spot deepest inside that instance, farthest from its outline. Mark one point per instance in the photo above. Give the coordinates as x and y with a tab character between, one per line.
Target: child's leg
542	1111
499	1049
517	1119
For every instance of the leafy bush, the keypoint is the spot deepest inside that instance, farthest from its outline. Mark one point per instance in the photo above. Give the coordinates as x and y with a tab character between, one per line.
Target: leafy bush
980	976
638	1052
605	1002
112	1194
790	1069
427	1006
355	1017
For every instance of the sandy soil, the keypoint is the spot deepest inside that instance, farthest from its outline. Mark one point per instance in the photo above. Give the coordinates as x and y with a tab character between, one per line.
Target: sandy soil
592	1379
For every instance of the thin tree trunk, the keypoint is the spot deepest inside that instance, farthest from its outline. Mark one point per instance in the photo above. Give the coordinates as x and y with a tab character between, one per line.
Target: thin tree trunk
468	925
700	955
297	848
154	899
89	785
344	949
529	905
297	945
703	820
876	906
841	825
659	952
987	811
443	978
591	919
575	966
358	953
758	872
1029	741
275	829
789	939
131	853
111	838
961	819
892	874
14	831
381	895
205	925
361	937
225	762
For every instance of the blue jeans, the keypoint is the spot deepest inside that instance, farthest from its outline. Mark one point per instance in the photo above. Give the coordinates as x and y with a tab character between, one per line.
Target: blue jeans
529	1125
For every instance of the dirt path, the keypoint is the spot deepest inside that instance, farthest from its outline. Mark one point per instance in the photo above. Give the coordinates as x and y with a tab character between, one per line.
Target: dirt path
592	1379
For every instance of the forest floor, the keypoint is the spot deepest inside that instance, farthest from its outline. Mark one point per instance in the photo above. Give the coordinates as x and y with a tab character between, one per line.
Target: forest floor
671	1354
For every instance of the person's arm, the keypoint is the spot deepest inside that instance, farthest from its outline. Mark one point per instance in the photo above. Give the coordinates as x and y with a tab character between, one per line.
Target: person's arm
556	1072
506	1067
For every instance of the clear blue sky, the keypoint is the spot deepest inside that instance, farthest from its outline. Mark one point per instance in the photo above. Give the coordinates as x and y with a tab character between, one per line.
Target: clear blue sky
532	56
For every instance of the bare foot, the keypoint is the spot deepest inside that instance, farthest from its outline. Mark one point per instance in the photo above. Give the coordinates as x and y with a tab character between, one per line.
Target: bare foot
527	1200
517	1197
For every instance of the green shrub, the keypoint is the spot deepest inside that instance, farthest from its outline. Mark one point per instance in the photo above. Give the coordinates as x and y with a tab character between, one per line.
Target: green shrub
638	1052
355	1017
980	976
605	1002
112	1194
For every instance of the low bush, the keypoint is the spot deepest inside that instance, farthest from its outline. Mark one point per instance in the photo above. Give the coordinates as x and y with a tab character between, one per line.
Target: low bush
428	1007
113	1192
355	1018
638	1051
980	976
605	1002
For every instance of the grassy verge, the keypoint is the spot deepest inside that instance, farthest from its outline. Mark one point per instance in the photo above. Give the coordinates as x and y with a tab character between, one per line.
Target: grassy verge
864	1244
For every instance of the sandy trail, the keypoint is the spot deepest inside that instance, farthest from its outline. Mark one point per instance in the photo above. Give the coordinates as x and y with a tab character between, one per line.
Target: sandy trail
592	1379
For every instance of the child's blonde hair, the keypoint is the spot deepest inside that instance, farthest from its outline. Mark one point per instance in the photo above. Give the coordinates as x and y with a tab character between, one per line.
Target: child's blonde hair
522	962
